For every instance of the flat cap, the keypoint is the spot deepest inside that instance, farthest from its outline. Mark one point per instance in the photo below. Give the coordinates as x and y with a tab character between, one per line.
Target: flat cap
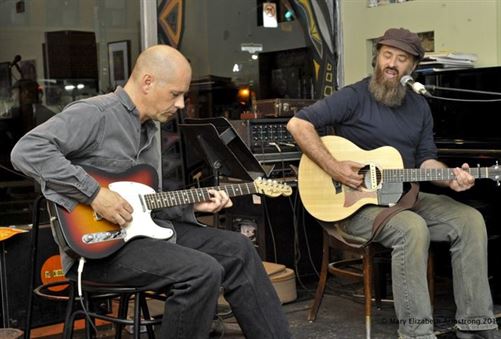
403	39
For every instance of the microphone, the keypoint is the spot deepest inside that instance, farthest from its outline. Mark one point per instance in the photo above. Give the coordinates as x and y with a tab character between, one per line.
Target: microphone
14	62
417	87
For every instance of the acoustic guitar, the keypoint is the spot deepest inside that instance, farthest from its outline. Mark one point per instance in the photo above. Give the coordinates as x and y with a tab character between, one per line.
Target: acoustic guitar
82	233
384	175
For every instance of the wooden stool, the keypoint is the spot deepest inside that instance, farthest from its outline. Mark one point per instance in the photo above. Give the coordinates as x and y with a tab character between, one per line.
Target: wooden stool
333	237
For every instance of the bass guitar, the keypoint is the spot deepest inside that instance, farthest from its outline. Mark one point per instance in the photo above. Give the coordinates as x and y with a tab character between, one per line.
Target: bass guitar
82	233
384	175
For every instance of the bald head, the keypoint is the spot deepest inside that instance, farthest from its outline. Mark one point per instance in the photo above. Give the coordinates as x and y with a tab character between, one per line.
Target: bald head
160	79
163	61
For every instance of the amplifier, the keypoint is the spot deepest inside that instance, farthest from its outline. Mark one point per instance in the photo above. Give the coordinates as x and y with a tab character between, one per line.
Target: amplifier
15	262
281	107
265	135
271	144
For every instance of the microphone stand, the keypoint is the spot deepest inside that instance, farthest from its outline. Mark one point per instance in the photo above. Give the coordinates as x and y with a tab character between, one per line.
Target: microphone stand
433	87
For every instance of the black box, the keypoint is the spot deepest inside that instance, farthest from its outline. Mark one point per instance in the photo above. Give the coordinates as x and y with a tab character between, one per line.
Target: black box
281	107
15	266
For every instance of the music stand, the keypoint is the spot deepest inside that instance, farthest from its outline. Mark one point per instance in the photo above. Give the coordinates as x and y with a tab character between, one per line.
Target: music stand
222	148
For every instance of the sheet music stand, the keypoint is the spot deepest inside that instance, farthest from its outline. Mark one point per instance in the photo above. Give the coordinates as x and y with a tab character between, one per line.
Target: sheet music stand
222	148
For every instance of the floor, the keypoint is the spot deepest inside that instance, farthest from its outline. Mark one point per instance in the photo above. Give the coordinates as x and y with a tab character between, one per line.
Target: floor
340	316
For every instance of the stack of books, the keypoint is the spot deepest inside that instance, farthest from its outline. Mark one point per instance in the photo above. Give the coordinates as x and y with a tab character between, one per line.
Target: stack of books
434	62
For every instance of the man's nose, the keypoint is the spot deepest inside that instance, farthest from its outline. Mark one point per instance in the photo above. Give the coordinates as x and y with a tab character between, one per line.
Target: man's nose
180	102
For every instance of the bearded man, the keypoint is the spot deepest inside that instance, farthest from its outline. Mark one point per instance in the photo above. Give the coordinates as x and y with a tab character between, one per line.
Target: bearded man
378	111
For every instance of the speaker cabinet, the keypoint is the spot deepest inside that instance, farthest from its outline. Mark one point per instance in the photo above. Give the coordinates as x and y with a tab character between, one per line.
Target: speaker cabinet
282	235
70	55
15	265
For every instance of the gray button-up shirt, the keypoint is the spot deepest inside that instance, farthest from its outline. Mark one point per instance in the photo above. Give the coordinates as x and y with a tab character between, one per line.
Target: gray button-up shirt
103	132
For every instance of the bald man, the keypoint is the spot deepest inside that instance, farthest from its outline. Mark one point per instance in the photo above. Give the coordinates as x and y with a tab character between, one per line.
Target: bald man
115	132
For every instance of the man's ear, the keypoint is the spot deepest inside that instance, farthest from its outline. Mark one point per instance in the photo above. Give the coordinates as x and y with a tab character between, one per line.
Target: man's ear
147	82
375	53
416	63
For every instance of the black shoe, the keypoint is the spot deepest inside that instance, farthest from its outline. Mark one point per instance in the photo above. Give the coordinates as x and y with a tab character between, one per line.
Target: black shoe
483	334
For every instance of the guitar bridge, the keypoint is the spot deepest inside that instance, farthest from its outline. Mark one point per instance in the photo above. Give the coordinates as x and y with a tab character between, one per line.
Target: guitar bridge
93	238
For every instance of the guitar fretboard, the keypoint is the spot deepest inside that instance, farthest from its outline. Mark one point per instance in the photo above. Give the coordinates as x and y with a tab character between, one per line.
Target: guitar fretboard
429	174
190	196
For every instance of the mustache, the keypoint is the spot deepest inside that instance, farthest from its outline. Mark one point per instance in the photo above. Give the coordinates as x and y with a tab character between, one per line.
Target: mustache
392	69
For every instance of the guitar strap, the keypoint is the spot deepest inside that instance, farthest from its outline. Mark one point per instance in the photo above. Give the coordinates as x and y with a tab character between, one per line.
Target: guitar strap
406	202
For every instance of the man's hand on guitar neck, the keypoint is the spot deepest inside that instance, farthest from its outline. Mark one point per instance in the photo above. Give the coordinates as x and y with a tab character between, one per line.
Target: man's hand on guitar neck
218	201
464	180
112	207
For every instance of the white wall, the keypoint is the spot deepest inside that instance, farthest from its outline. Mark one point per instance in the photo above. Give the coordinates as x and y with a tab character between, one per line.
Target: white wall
459	26
214	30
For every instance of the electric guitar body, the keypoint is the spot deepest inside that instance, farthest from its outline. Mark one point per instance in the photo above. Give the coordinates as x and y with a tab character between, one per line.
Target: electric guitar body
82	233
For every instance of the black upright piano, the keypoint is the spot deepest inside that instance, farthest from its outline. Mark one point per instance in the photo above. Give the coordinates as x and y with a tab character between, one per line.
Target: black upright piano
470	132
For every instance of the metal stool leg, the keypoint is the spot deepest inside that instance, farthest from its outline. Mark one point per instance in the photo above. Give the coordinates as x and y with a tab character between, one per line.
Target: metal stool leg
34	257
146	314
368	270
69	318
137	315
123	308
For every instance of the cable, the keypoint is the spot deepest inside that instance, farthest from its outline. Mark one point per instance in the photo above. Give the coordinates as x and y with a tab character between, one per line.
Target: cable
266	207
276	146
81	264
308	245
297	250
288	144
268	220
221	322
281	158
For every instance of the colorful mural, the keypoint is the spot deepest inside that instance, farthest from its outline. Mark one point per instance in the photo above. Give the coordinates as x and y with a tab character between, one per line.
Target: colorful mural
318	19
170	22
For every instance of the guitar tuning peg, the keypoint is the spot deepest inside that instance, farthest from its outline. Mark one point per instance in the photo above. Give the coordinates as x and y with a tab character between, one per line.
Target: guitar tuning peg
499	183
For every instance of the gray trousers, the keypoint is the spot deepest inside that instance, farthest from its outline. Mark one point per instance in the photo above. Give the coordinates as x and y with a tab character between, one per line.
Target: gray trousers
408	233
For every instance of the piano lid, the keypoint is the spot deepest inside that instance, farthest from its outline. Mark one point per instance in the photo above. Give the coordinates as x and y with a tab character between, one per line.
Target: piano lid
466	125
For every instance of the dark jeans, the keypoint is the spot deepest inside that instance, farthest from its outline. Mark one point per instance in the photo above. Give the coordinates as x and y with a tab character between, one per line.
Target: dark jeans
193	269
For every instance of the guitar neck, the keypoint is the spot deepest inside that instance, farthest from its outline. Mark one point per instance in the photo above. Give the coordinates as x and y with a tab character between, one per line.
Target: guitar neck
194	195
429	174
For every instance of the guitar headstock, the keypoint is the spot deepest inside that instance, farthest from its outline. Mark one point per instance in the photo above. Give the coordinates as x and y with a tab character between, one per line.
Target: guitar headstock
494	173
272	188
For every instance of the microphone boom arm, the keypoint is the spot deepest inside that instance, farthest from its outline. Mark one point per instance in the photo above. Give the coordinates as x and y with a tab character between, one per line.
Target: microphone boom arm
433	87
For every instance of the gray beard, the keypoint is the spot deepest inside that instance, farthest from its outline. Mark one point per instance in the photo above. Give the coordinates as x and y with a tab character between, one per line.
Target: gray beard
388	93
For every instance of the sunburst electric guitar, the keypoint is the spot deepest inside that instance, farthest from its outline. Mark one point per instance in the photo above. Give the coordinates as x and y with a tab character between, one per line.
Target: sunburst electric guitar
82	233
384	175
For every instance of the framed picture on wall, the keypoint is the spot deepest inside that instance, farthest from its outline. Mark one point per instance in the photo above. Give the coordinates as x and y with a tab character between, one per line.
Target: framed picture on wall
119	61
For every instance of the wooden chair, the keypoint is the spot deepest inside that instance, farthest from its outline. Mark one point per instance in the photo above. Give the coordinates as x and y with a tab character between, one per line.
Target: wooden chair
334	237
91	292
